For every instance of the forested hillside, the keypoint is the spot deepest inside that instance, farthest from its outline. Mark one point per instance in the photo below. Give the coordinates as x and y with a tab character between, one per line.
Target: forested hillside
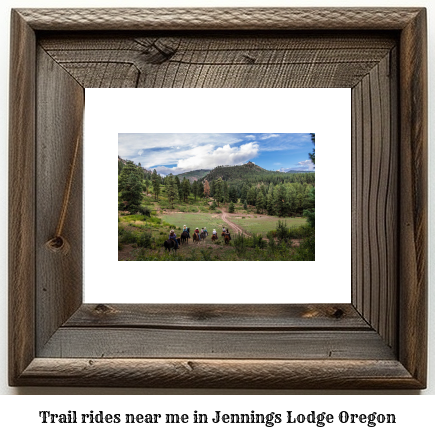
194	175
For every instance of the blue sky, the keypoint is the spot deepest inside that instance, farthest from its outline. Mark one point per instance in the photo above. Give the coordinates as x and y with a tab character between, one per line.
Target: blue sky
178	153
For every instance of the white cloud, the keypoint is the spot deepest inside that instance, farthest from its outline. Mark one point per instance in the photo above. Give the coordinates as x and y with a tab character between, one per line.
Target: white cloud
306	165
302	166
163	170
205	158
208	157
129	144
268	136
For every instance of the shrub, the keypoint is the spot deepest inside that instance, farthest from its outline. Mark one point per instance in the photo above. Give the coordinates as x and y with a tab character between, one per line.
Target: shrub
144	211
257	241
306	251
240	243
128	237
144	240
300	231
282	232
271	234
205	255
271	245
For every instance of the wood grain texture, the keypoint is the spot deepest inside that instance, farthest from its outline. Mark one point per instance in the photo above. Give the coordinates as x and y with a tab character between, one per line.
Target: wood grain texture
413	197
220	317
213	61
229	374
21	197
379	342
375	198
127	342
60	105
220	18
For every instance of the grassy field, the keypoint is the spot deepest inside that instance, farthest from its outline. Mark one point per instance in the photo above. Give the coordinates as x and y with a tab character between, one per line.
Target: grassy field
141	238
194	220
261	224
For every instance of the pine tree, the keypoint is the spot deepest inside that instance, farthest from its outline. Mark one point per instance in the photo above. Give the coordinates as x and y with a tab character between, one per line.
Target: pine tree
147	185
195	188
232	194
218	191
269	203
309	213
142	173
130	187
244	193
212	187
185	186
120	166
171	190
231	207
156	184
263	190
260	203
245	205
313	155
226	193
178	184
291	199
279	200
252	196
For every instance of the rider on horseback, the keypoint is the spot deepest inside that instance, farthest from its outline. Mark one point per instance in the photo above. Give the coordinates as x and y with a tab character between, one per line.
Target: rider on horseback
172	236
205	231
228	233
185	229
197	233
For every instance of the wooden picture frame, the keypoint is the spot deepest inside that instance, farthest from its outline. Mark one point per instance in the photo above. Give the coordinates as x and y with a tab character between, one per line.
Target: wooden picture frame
376	342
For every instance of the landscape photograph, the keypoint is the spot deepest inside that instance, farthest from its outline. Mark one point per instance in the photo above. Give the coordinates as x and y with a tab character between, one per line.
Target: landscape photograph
216	197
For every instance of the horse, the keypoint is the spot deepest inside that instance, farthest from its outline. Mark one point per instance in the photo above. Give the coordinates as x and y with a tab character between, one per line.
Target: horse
185	237
170	245
214	237
196	237
227	238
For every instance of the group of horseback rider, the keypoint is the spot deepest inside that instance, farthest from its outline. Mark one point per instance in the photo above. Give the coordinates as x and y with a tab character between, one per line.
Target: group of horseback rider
201	234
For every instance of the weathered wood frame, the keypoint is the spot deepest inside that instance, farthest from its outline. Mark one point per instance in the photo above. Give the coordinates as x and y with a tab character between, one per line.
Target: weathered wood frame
377	341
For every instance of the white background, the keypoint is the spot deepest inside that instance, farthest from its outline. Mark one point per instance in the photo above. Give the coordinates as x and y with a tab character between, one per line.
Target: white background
323	111
21	411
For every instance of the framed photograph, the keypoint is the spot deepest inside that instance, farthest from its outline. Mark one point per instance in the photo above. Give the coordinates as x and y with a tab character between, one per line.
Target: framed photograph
58	338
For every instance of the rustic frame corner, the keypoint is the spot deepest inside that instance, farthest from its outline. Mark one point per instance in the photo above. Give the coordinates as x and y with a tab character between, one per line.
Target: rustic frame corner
376	342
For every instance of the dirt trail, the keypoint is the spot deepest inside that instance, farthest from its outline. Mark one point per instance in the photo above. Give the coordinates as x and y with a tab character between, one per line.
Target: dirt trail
236	229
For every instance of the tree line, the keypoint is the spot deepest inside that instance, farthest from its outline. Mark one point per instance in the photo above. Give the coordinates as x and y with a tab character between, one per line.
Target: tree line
281	199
